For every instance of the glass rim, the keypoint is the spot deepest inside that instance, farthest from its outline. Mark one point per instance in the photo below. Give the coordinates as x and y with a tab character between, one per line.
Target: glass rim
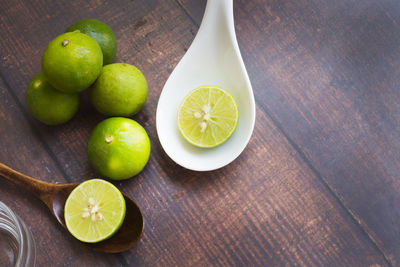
13	225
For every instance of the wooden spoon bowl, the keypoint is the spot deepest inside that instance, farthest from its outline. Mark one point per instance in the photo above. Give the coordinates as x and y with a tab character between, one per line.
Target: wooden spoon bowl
55	195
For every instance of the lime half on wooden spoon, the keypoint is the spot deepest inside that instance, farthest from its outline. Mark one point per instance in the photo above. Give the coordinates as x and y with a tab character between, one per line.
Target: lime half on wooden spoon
94	211
208	116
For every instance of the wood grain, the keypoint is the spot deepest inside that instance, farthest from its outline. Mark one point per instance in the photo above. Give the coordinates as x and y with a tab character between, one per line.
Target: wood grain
276	205
328	76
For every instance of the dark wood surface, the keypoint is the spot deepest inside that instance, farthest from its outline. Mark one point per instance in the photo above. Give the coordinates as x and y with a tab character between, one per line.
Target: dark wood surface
319	182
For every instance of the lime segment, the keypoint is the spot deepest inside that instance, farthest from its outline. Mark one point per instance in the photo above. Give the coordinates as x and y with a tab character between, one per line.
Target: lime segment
208	116
94	211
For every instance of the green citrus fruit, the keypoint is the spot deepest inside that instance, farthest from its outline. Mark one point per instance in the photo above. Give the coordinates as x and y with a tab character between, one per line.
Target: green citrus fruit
118	148
72	62
120	90
208	116
94	211
101	33
48	105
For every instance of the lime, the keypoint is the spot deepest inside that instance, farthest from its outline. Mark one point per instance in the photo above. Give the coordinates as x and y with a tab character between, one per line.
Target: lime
121	90
101	33
72	62
118	148
208	116
94	211
48	105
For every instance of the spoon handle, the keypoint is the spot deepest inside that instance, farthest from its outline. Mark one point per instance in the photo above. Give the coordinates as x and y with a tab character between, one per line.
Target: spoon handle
35	186
217	12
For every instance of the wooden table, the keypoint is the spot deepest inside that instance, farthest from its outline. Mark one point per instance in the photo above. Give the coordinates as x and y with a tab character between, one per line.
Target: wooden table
319	182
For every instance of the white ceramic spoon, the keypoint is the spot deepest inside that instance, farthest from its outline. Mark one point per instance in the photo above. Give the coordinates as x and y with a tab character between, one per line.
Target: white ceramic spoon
212	59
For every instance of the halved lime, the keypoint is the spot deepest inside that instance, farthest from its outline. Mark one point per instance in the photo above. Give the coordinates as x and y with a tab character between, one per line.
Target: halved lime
208	116
94	211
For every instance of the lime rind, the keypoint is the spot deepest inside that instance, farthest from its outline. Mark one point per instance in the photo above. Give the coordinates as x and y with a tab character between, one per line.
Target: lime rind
118	148
101	33
222	122
48	105
72	61
108	206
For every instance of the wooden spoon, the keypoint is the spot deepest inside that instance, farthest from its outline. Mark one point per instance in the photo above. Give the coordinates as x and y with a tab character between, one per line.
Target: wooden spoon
55	195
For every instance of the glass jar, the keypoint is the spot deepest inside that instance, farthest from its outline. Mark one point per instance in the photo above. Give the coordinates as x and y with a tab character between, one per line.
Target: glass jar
17	246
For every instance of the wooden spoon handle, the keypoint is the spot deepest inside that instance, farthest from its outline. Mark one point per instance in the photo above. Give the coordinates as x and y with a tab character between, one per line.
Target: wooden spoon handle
35	186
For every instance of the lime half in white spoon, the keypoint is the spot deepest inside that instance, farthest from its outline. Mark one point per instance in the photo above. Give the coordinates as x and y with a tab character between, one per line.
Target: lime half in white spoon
212	59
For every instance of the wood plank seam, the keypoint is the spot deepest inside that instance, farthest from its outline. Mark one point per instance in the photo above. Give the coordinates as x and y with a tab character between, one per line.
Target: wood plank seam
324	182
306	160
46	147
187	13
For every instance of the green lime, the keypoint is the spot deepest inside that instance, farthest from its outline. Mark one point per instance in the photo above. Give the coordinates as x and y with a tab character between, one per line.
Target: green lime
48	105
72	62
94	211
118	148
101	33
208	116
120	90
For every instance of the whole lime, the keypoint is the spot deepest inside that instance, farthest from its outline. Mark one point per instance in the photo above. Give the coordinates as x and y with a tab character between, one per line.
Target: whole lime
120	90
48	105
101	33
118	148
72	62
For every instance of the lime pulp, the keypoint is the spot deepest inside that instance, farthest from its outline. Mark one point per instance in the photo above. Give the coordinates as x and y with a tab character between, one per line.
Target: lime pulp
208	116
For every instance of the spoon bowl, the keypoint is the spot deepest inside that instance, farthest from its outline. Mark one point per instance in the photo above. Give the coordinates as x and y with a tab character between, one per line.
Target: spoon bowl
55	195
213	59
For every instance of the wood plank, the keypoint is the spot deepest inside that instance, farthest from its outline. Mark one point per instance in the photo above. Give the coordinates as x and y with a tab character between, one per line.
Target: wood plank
22	149
266	208
328	75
